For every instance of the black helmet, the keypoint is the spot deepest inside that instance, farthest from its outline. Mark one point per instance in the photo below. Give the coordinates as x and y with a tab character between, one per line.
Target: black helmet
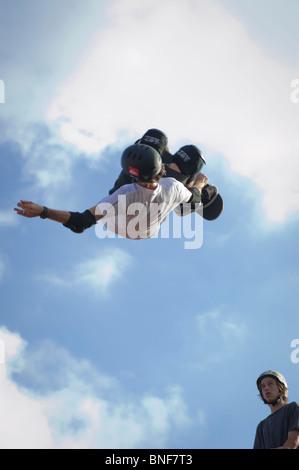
142	162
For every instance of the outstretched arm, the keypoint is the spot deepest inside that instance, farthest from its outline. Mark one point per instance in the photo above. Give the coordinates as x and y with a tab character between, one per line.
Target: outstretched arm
75	221
31	209
96	212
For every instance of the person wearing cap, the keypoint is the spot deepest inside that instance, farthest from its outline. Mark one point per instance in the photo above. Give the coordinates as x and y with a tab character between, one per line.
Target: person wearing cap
280	430
152	195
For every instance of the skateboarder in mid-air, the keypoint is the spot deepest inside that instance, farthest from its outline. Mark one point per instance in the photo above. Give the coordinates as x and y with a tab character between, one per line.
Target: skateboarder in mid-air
152	178
183	166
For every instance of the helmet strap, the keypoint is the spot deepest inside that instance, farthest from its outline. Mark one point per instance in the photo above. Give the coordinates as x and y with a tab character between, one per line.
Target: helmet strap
275	402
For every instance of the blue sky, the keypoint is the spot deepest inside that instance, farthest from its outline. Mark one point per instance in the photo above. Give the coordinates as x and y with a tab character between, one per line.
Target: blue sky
112	343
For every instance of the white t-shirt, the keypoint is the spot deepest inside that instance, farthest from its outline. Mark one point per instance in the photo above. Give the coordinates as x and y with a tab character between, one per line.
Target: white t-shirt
136	212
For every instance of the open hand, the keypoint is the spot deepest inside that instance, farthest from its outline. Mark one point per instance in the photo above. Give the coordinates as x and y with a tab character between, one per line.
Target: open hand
28	209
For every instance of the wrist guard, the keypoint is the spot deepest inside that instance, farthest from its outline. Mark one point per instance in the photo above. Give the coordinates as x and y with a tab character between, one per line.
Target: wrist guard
78	222
190	206
196	195
45	213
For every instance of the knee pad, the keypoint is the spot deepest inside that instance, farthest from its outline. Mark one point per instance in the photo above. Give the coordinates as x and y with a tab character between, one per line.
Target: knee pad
156	139
189	159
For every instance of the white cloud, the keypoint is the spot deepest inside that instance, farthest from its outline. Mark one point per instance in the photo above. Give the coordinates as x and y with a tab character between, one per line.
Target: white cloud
164	413
213	337
33	71
8	218
19	411
13	343
69	404
215	323
200	78
97	273
105	269
46	163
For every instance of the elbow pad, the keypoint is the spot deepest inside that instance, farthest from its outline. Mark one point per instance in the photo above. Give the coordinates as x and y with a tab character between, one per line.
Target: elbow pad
78	222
